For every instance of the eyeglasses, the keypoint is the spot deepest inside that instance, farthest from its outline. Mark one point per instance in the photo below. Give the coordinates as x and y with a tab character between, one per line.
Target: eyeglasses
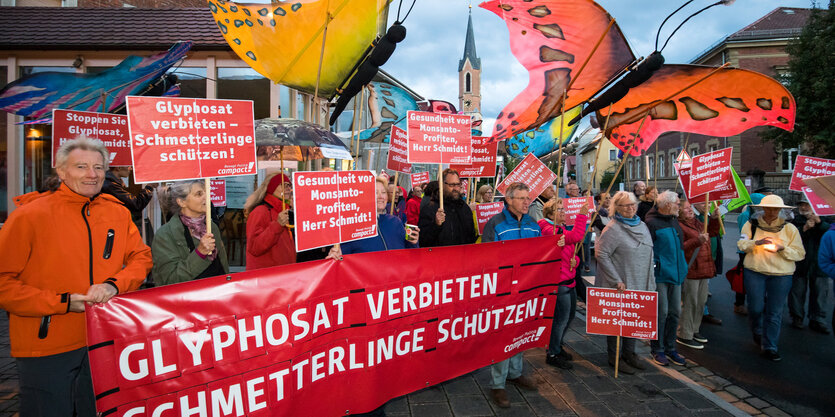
560	209
521	198
453	184
627	205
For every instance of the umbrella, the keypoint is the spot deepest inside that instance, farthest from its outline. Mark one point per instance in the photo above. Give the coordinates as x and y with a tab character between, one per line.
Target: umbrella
296	140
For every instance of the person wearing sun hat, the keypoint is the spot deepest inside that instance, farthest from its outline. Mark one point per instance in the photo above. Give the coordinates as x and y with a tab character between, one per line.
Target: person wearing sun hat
770	256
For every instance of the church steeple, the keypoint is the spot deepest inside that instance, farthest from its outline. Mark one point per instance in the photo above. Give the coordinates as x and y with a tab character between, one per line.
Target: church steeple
469	73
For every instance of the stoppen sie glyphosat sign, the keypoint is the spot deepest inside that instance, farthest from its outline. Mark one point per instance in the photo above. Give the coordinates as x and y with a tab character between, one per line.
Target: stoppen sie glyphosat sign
112	129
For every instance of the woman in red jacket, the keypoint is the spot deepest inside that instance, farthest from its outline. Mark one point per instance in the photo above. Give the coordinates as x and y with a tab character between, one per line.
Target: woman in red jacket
701	269
269	241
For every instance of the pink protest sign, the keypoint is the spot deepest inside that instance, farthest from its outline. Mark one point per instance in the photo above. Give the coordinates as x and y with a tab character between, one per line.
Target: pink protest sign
112	129
436	138
809	167
711	173
533	173
420	178
485	211
629	313
572	207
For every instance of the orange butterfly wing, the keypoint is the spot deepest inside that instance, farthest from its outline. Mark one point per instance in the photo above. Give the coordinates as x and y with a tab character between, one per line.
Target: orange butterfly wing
726	103
552	39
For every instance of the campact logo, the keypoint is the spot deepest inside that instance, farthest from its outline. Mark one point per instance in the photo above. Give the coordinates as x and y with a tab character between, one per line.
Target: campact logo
527	337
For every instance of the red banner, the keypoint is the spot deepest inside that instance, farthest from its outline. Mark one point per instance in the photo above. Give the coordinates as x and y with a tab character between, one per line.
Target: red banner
419	178
808	167
533	173
398	158
819	206
184	138
333	207
436	138
112	129
218	192
485	211
629	314
297	340
683	171
572	207
484	160
711	173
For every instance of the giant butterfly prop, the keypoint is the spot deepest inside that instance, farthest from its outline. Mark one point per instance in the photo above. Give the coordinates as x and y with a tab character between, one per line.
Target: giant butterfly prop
553	39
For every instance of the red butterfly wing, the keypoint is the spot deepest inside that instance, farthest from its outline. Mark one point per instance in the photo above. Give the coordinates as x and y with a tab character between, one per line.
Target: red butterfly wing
552	39
726	103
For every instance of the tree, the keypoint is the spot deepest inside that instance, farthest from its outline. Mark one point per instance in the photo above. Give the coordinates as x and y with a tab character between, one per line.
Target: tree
811	80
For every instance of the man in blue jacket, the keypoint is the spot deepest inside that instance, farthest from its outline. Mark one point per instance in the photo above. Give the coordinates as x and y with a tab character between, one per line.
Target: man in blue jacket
512	223
670	271
826	258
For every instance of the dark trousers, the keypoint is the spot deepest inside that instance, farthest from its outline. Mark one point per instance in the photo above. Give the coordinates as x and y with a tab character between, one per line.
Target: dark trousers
56	385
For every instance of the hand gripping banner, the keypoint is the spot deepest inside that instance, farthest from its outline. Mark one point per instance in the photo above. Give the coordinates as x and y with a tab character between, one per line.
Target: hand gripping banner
321	338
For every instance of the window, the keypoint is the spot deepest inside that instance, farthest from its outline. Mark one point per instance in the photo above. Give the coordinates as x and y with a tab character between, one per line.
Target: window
613	154
245	84
789	156
192	81
712	148
650	166
631	169
673	156
661	172
467	82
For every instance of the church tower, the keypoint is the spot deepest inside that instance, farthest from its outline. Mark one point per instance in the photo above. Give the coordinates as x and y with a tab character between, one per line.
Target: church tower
469	74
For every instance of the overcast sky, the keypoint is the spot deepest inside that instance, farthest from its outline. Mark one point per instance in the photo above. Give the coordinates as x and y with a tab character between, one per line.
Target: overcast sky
427	60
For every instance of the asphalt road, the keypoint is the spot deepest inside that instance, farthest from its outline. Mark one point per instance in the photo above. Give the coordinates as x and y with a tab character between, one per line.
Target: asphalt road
802	384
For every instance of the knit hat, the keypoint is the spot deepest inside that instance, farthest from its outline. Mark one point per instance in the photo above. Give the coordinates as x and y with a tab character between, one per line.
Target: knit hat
772	201
275	181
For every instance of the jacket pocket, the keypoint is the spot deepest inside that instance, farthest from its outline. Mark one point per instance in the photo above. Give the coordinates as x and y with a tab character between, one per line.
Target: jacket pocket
108	244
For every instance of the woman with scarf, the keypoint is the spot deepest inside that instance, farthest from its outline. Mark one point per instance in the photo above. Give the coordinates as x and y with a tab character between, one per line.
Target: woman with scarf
624	261
269	241
183	249
701	268
771	246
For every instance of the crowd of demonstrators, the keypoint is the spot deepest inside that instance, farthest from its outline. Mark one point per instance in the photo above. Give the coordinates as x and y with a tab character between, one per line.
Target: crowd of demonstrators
624	254
413	205
512	223
269	239
183	249
670	272
808	277
454	224
553	223
535	210
49	274
772	246
700	269
646	202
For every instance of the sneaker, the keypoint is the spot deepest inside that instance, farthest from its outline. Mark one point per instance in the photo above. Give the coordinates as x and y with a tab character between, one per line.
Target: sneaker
565	355
797	323
691	343
818	327
676	358
711	319
623	367
771	355
499	397
558	361
586	269
741	310
524	382
660	358
699	338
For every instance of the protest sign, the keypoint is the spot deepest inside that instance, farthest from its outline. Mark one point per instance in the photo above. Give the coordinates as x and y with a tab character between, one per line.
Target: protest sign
465	187
572	207
420	178
819	205
297	340
485	211
711	173
684	179
823	187
112	129
218	193
629	313
435	138
533	173
809	167
333	207
397	158
484	160
185	138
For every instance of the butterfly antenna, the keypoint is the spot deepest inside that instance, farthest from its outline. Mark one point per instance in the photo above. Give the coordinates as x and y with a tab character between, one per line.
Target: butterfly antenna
657	34
720	2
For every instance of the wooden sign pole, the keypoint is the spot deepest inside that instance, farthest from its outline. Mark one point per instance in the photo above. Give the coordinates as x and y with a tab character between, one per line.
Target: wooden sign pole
394	194
441	184
208	205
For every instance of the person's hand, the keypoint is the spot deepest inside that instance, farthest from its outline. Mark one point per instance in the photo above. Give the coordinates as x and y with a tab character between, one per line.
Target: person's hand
77	303
440	217
561	242
763	241
99	293
573	262
335	253
584	210
207	244
703	237
620	287
780	247
283	218
414	234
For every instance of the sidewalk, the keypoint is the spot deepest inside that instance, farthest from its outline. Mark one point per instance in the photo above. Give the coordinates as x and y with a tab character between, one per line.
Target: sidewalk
589	389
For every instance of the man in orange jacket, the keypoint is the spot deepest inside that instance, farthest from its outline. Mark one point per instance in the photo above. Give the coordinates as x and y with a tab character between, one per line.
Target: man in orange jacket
62	251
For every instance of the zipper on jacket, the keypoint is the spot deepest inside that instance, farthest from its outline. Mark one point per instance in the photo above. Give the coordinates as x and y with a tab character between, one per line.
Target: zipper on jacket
85	211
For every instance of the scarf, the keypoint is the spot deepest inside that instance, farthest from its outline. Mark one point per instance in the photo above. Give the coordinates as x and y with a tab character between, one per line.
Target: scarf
197	227
634	221
778	226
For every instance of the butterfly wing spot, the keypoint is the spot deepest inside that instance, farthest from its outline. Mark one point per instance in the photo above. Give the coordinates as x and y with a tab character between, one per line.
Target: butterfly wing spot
226	20
223	9
697	110
500	115
539	11
550	31
237	41
514	146
764	103
295	7
233	8
239	23
514	123
272	22
524	32
744	119
385	93
251	55
506	7
525	149
734	103
666	110
247	12
786	103
222	27
263	11
511	115
389	102
783	120
388	114
530	134
280	11
499	127
555	82
548	54
260	22
248	22
213	7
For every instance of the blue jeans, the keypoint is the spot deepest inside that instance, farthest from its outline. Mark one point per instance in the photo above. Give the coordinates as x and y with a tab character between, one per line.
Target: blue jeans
766	298
563	315
510	368
669	309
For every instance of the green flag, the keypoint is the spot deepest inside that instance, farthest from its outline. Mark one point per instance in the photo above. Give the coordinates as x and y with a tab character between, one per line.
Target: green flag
743	198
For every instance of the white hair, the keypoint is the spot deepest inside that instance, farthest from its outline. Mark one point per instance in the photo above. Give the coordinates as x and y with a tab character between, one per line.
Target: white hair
665	199
83	143
618	198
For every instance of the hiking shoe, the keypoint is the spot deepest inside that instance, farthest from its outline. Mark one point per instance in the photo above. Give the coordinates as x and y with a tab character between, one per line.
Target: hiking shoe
660	358
691	343
771	355
623	367
565	355
632	360
818	327
676	358
499	396
699	338
797	323
524	382
741	310
711	319
558	361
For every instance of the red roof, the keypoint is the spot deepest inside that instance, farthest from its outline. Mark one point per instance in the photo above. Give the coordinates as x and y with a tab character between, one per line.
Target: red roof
106	28
779	23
